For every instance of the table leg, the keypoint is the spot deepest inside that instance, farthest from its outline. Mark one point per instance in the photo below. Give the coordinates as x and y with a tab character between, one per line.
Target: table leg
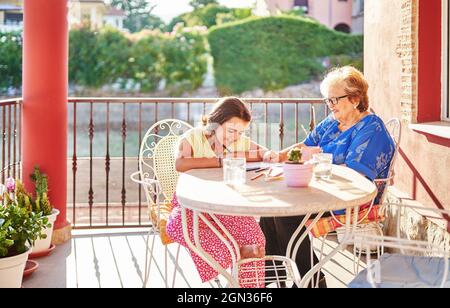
349	231
197	248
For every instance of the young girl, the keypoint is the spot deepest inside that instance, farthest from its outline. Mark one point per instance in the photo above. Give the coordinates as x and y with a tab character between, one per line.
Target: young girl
222	136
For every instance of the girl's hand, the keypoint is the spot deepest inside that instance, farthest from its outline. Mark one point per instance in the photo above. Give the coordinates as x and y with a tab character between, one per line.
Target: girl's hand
271	157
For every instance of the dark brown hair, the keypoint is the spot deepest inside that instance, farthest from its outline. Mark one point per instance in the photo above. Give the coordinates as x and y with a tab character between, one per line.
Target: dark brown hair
226	109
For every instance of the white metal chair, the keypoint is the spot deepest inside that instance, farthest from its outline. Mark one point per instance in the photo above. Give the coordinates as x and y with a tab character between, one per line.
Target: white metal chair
158	176
393	126
282	272
419	263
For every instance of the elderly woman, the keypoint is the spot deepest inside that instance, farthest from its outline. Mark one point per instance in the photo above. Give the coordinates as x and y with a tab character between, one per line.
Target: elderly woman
356	138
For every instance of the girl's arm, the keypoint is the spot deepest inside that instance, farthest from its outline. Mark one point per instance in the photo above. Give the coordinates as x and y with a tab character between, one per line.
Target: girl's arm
184	161
281	156
255	154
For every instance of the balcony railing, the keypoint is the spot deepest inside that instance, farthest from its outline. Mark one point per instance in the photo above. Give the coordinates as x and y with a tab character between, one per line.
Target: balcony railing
11	151
104	137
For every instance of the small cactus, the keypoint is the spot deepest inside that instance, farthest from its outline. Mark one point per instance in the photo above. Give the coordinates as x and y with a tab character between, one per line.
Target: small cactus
295	156
41	183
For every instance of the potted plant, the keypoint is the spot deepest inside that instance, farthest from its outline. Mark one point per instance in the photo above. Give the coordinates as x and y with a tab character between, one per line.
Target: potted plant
296	172
41	205
19	229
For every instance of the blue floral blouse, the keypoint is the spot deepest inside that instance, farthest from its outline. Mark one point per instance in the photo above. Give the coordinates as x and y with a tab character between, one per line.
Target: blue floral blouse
366	147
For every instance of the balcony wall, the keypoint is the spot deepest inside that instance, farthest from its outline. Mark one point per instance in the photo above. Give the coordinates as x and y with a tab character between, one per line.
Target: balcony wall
394	76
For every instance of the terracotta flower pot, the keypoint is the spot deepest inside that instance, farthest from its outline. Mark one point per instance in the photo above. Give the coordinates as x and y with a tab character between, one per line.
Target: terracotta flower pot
297	175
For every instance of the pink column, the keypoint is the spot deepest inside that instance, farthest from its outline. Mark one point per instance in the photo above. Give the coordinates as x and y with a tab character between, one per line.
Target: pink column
45	83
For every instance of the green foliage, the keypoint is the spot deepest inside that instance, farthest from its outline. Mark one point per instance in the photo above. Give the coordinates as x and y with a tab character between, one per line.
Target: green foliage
180	19
113	52
25	200
97	58
205	16
145	62
273	52
355	60
83	62
233	15
42	203
185	61
18	195
209	16
10	61
201	3
138	14
144	58
19	227
295	156
296	11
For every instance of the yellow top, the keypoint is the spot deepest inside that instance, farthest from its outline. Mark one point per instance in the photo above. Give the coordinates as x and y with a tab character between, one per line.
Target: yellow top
202	149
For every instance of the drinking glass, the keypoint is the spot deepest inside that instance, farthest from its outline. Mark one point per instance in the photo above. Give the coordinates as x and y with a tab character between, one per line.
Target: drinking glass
234	171
323	165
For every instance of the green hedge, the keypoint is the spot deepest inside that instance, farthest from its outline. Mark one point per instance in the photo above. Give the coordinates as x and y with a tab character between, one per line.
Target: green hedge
144	58
107	57
274	52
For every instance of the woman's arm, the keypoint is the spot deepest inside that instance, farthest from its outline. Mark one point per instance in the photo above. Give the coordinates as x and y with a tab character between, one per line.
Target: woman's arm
184	161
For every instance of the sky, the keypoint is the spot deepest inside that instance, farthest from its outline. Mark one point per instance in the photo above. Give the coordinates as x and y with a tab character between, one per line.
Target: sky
168	9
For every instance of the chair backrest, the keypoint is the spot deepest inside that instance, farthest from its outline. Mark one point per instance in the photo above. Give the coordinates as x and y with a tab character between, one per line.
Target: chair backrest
157	154
394	127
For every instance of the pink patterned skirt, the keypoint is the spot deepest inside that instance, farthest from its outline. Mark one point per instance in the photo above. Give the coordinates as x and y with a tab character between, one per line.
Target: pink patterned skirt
245	230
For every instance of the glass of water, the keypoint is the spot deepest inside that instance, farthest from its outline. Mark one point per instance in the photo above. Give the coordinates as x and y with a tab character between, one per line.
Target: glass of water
234	171
323	165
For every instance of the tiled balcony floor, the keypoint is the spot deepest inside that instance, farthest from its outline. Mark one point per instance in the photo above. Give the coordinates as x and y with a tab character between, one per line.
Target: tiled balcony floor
115	259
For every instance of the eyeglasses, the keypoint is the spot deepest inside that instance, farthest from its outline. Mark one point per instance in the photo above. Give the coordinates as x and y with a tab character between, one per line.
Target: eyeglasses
333	101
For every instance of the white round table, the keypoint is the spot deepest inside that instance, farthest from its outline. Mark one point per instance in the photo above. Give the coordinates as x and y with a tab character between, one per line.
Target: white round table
204	192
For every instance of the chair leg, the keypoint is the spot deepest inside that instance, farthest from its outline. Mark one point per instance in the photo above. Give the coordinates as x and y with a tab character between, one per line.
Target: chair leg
176	267
166	275
217	281
357	254
148	263
322	248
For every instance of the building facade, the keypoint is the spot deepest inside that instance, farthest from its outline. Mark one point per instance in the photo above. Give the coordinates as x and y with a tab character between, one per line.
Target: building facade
342	15
406	62
94	13
114	18
11	15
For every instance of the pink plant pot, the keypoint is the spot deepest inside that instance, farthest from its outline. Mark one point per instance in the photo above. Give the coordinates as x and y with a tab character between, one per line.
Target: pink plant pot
296	175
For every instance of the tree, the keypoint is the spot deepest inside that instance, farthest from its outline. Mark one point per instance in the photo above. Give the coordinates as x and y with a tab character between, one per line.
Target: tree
201	3
139	14
202	16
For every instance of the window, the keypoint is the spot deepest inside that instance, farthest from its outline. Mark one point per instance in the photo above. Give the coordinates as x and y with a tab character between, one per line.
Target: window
446	60
301	3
